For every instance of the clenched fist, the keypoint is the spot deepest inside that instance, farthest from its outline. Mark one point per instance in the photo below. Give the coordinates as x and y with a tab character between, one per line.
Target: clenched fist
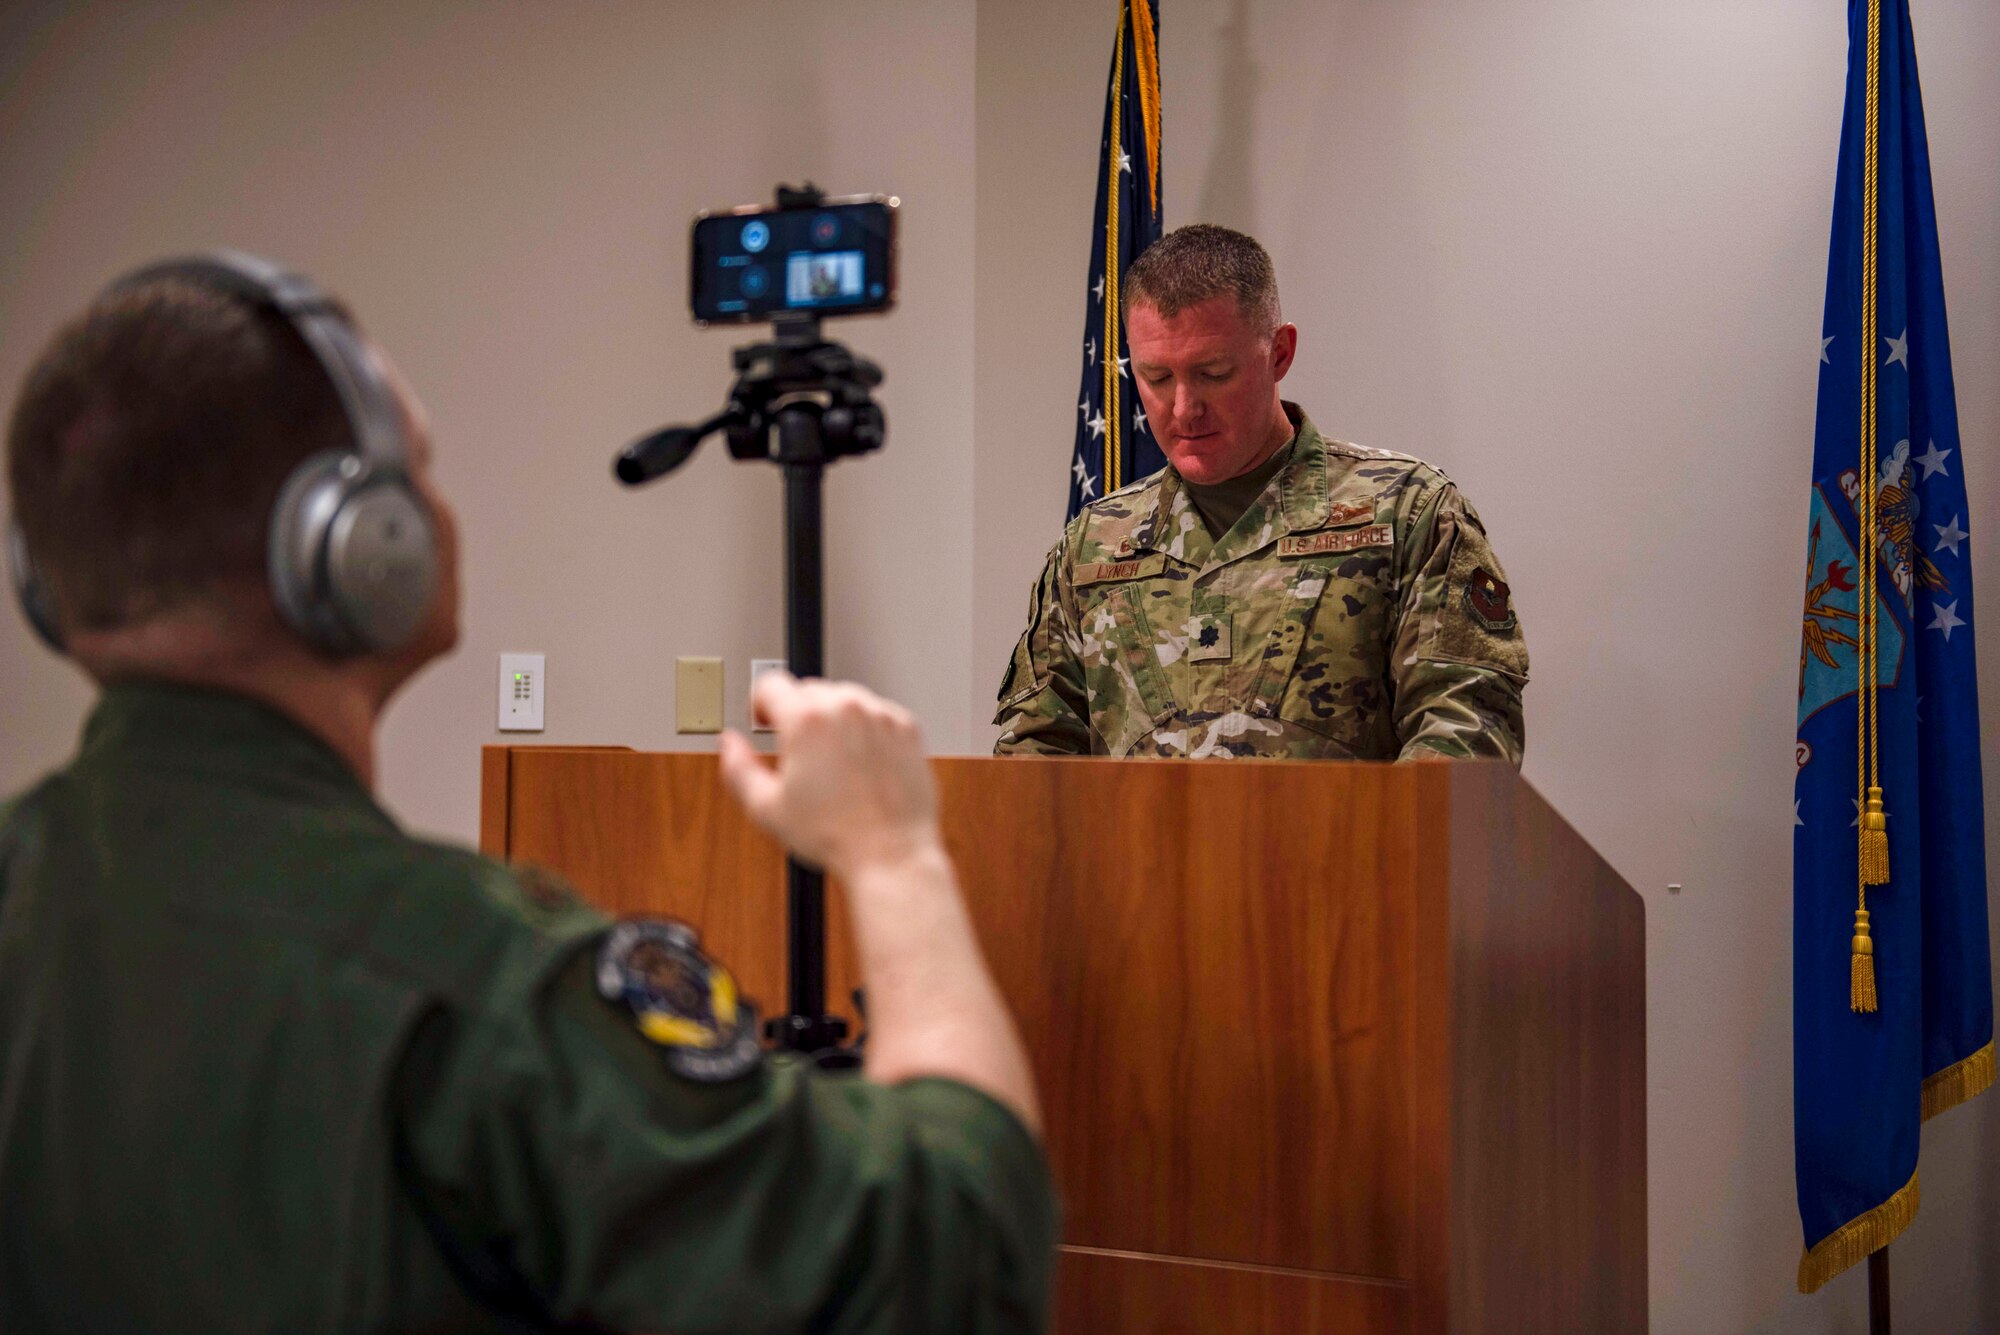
851	790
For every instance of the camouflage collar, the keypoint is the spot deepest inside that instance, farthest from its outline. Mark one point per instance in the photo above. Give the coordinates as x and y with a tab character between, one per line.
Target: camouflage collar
1151	534
1302	489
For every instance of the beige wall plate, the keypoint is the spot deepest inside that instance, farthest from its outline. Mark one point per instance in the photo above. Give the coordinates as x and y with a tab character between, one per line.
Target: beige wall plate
697	695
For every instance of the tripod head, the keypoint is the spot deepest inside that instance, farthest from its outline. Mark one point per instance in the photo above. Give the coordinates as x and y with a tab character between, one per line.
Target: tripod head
798	399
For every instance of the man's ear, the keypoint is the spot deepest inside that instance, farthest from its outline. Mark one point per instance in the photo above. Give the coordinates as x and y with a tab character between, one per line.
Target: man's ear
1284	346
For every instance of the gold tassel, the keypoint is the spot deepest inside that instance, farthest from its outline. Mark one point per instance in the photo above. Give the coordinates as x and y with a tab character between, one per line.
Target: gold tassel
1862	982
1874	841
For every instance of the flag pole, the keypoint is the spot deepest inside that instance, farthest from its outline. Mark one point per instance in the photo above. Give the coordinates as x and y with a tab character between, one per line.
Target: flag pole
1878	1291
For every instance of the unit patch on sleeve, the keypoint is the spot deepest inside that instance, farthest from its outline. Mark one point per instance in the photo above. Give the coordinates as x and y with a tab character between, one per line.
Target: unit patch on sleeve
1488	597
679	998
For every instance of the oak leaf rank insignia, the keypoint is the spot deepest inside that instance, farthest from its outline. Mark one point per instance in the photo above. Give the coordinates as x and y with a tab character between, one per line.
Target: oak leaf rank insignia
1208	638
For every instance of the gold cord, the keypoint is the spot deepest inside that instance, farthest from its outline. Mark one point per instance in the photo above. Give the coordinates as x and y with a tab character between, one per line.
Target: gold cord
1872	841
1146	46
1114	464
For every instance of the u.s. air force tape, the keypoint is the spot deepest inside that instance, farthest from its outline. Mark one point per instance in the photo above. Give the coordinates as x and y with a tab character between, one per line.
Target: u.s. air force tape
679	998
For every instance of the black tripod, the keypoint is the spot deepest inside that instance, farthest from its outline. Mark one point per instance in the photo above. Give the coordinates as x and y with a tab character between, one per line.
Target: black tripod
801	402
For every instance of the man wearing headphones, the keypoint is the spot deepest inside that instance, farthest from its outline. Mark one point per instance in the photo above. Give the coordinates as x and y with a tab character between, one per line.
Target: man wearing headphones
267	1063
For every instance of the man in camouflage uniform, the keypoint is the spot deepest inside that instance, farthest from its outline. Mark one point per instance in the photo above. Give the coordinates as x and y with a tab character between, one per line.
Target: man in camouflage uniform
1271	592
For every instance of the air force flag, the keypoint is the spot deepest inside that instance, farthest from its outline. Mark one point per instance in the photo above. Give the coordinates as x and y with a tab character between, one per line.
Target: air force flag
1892	983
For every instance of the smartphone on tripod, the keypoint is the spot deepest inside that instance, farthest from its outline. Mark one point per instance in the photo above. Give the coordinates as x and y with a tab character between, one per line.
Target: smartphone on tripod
830	257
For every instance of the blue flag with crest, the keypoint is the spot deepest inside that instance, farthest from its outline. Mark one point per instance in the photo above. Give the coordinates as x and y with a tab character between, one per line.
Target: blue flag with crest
1113	443
1892	983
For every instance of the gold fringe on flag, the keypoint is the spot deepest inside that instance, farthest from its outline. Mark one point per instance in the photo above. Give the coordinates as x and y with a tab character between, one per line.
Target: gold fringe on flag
1852	1242
1958	1082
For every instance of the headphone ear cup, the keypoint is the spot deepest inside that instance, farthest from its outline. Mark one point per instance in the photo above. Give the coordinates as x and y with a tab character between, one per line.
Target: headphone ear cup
31	590
300	522
353	555
381	564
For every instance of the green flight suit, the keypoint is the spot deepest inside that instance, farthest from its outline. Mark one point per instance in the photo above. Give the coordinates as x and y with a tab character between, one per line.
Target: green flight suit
1355	611
269	1064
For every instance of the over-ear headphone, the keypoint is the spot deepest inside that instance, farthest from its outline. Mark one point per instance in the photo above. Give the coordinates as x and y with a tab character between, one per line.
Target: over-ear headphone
352	558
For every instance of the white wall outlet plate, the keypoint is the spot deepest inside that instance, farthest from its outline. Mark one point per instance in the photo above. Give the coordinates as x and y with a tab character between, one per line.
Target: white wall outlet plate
758	667
521	692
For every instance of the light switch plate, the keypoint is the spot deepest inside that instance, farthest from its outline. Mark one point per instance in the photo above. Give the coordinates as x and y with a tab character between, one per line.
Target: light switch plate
758	667
697	695
521	692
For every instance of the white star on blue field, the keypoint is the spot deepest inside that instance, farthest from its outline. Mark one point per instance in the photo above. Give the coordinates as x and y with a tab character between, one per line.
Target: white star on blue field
1932	461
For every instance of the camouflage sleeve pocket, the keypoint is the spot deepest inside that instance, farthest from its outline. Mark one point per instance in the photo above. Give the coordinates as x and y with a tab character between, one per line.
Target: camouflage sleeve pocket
1027	671
1472	618
1024	676
1042	706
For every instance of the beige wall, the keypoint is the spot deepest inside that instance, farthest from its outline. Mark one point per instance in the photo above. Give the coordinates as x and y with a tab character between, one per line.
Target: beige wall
503	192
1571	250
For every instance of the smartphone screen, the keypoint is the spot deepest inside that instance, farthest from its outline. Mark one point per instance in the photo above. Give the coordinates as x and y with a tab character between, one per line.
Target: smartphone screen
834	259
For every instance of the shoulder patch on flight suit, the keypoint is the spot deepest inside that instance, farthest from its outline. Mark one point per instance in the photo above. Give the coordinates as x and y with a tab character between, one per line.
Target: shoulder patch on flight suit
679	998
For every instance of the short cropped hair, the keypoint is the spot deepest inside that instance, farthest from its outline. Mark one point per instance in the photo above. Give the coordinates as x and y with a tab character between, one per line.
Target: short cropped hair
1190	264
149	442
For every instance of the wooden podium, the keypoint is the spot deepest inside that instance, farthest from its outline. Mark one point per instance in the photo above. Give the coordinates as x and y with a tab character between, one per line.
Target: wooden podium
1322	1047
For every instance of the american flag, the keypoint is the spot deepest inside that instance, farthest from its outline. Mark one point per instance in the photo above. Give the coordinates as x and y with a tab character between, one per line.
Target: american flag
1113	444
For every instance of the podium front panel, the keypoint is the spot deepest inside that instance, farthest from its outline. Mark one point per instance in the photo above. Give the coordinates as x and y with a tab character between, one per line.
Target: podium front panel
1299	1071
